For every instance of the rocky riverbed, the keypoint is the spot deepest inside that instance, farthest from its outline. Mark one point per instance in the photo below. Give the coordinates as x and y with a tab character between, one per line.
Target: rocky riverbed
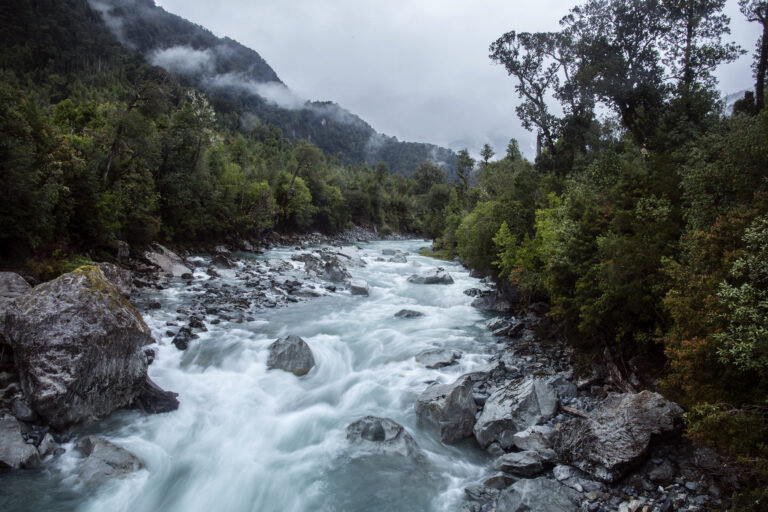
321	375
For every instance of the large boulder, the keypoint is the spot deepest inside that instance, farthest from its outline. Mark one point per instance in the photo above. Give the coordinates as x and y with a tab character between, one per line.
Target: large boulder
104	460
359	287
11	286
351	254
438	358
15	453
382	436
166	260
118	276
434	276
616	437
291	354
515	407
527	464
491	300
78	345
449	407
538	495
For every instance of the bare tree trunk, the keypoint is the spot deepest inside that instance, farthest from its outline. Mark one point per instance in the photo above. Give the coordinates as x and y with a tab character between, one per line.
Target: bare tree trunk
762	67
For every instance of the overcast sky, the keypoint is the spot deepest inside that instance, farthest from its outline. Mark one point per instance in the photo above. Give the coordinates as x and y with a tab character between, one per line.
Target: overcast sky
415	69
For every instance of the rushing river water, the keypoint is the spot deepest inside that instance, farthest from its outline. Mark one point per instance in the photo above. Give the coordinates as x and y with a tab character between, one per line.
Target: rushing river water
250	439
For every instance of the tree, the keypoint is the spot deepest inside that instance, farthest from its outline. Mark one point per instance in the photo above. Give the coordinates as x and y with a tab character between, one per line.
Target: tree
487	153
757	10
427	175
464	167
513	151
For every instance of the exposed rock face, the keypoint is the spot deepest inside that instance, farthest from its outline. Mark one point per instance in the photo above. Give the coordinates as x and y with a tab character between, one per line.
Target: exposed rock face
616	436
408	313
153	399
526	464
166	260
359	287
538	495
382	436
437	358
537	438
105	460
450	408
78	345
515	407
325	264
491	301
352	255
11	286
14	452
434	276
118	276
291	354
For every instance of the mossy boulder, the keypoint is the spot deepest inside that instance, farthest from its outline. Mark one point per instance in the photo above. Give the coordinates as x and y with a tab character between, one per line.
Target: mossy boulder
77	343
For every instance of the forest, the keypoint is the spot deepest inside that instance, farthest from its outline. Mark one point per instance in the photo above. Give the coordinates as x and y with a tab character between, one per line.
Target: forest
643	220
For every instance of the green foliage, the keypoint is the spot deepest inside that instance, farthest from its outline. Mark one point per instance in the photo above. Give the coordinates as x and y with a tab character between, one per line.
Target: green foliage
474	236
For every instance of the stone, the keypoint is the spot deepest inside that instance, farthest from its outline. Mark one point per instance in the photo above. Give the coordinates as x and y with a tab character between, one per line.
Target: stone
513	408
434	276
383	436
617	436
48	446
450	408
152	399
11	286
183	338
663	473
499	482
398	258
22	412
352	254
575	479
104	460
166	260
278	265
491	300
437	358
14	452
118	276
408	313
79	347
222	261
525	464
538	495
359	287
536	437
291	354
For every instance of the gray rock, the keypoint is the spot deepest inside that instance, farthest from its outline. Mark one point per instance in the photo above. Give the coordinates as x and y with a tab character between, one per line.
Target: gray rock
575	479
22	412
491	301
79	347
104	460
663	473
11	286
152	399
48	446
118	276
351	254
291	354
359	287
166	260
434	276
538	495
222	261
617	435
437	358
526	464
14	452
388	252
398	258
278	265
515	407
382	436
537	437
449	407
408	313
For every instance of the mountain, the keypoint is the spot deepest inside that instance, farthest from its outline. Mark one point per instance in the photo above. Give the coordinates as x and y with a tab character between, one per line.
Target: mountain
240	81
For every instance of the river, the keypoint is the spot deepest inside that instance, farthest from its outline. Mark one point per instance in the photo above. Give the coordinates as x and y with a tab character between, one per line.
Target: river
250	439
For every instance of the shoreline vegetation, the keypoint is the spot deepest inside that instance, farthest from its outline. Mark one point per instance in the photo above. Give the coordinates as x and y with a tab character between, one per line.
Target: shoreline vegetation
644	231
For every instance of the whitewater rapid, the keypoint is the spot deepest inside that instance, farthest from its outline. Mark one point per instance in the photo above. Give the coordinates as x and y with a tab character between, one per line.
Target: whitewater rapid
250	439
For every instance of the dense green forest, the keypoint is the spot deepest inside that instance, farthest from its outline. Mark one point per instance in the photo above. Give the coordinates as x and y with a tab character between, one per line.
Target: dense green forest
646	229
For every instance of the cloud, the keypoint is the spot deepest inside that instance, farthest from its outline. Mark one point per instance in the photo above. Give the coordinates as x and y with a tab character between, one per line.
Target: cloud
184	60
273	92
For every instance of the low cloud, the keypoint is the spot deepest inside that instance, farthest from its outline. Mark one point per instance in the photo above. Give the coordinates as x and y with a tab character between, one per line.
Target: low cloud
184	60
272	92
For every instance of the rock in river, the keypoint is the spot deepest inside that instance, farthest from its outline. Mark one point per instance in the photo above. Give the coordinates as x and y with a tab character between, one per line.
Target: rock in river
450	408
434	276
14	452
105	460
437	358
166	260
78	345
515	407
408	313
359	287
291	354
382	436
616	437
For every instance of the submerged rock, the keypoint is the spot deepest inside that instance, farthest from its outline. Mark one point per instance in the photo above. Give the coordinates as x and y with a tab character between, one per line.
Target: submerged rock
291	354
382	436
515	407
104	460
78	345
166	260
450	408
616	437
434	276
15	453
538	495
408	313
437	358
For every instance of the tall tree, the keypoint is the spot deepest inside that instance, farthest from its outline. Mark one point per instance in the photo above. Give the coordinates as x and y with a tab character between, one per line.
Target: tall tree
464	167
487	153
757	10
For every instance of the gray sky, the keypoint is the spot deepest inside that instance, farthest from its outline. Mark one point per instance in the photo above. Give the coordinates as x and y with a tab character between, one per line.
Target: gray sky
415	69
